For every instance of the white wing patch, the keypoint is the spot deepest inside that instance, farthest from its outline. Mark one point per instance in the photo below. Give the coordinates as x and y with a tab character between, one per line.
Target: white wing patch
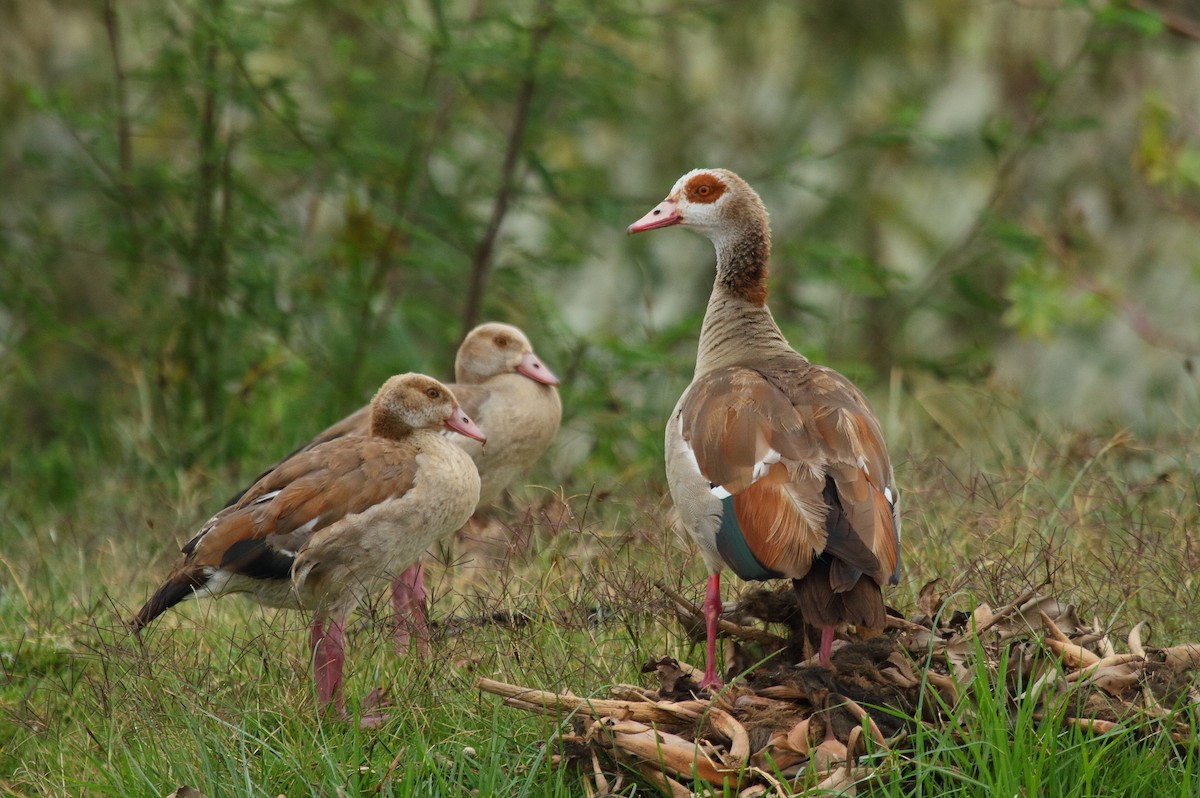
761	468
716	490
764	465
887	494
686	449
266	497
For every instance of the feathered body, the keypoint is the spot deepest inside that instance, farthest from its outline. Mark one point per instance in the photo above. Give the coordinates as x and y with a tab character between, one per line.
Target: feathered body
325	527
503	385
777	466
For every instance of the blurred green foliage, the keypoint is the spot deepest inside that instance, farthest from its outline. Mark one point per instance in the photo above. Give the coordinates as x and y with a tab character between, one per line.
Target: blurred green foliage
224	223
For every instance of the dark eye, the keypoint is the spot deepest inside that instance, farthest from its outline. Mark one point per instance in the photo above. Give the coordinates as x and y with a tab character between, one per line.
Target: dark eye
704	190
501	341
433	393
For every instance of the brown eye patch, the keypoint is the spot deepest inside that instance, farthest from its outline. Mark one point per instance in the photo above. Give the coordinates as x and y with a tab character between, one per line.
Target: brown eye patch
501	341
433	393
704	188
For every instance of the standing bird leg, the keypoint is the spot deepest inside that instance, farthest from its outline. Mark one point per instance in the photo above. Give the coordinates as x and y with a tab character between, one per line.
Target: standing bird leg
777	467
408	607
826	646
712	614
328	654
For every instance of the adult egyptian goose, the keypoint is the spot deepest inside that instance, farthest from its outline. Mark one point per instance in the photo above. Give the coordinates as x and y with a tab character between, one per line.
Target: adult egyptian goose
513	397
777	466
318	532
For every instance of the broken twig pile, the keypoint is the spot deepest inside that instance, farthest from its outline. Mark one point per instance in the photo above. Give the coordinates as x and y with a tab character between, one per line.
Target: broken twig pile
787	725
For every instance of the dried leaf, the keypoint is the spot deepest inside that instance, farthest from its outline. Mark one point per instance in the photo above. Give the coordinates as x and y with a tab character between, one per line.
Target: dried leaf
1073	656
1136	638
1184	657
830	753
662	781
930	599
184	791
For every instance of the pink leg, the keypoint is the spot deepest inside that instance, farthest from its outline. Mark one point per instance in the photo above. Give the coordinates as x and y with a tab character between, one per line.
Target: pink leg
328	654
712	613
826	645
408	606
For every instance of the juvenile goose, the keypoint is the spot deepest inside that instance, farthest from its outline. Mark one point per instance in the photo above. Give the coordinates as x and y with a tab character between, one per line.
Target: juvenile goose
513	397
322	529
777	466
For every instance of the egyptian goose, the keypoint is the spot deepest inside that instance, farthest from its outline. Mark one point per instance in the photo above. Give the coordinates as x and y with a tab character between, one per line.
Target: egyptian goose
513	397
777	466
318	532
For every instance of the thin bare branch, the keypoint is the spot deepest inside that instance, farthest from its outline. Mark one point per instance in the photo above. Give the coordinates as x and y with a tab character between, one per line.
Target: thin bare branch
112	27
1175	23
481	260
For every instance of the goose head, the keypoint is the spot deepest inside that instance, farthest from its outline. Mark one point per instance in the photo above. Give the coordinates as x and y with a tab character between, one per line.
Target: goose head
410	402
494	348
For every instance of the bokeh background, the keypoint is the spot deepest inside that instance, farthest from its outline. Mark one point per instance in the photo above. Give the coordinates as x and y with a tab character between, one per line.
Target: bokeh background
223	224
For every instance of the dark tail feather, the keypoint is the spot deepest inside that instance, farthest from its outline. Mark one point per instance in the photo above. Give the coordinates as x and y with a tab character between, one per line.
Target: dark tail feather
822	605
174	590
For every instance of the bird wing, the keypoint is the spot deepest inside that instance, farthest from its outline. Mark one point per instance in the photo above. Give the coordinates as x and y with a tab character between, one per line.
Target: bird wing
795	454
260	535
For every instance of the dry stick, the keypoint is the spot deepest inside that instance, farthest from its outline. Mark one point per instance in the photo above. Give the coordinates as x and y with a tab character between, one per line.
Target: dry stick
1071	654
1135	640
907	626
481	260
630	692
728	627
1052	627
739	740
998	616
1182	657
662	781
551	703
387	775
673	753
598	774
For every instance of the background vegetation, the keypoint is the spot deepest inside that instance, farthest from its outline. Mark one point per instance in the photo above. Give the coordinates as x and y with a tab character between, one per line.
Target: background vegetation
222	224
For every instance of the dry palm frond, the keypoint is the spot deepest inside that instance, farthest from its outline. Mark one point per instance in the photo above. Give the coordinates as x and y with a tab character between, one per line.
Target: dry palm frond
786	727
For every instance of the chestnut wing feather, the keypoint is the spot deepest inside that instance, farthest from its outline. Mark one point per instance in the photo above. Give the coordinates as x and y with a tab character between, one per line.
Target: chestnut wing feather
307	493
260	535
798	448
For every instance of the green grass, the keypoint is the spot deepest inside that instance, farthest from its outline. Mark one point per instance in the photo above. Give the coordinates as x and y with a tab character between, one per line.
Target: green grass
999	743
220	697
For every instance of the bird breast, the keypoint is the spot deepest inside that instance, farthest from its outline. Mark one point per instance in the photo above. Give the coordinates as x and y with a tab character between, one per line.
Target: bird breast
520	418
383	540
